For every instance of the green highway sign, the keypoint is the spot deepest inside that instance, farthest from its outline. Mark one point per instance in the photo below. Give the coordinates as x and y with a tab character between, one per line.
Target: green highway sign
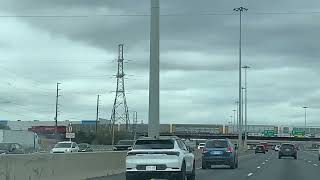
298	133
268	133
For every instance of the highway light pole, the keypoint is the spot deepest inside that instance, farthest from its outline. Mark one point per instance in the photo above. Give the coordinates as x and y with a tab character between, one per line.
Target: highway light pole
234	120
305	118
240	10
246	106
154	92
237	125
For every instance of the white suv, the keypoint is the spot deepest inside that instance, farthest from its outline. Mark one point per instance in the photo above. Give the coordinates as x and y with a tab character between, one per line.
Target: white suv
164	157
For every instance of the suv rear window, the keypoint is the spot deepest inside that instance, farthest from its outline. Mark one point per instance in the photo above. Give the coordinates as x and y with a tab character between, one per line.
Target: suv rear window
154	144
216	144
288	146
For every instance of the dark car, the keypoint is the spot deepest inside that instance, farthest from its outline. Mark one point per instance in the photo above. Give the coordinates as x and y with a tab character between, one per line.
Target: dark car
219	152
260	149
11	148
124	145
84	147
288	150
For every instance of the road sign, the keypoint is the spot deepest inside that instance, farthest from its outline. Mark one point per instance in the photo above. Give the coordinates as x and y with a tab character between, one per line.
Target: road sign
268	133
297	133
69	128
70	135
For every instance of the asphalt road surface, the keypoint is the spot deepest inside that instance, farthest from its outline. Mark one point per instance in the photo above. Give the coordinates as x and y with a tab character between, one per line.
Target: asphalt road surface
260	167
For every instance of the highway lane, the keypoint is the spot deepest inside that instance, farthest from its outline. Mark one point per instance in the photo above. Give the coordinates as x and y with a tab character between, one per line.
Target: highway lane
259	167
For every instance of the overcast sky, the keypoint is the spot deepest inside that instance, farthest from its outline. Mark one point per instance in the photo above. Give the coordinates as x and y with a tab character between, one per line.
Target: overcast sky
199	59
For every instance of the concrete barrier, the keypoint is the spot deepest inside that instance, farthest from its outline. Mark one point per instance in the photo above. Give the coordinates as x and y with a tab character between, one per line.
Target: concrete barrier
77	166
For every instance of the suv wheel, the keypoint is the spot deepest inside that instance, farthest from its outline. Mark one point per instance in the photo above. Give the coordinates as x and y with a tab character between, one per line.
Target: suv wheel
204	164
182	174
233	164
295	157
279	157
192	176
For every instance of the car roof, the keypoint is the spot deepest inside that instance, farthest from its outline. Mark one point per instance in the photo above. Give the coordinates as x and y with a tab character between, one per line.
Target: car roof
160	138
224	139
66	142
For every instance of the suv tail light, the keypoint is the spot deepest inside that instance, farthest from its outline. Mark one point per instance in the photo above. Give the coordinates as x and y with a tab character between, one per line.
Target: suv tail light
229	150
204	150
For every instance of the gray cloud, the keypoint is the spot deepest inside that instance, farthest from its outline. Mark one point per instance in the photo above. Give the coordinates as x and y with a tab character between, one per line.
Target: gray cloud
199	56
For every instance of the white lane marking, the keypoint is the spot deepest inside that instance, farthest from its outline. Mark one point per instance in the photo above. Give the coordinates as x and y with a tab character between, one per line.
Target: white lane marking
315	164
263	163
250	174
309	161
258	167
267	160
198	168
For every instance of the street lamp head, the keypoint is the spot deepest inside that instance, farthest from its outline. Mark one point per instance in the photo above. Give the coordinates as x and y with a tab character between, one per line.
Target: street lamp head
246	67
240	9
234	110
305	107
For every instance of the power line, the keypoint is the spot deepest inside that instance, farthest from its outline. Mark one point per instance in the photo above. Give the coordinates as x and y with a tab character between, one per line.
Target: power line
168	14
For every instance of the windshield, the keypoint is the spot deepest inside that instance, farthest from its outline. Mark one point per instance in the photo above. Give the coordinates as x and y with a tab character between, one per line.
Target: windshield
63	145
5	146
154	144
217	144
83	146
286	146
125	142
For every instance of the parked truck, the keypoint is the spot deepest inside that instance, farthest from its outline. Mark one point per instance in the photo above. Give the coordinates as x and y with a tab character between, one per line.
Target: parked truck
28	140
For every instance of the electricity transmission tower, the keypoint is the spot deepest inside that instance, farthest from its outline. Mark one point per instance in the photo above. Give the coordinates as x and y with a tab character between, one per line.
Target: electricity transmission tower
120	112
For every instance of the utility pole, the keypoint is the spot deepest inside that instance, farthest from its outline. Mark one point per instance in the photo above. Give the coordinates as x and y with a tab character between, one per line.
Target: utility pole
154	92
56	116
234	120
305	118
97	113
246	106
240	10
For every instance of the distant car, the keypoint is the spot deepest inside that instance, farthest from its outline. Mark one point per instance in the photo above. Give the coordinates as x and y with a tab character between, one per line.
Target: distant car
277	148
260	149
11	148
160	158
201	145
123	145
288	150
65	147
265	145
219	152
84	147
